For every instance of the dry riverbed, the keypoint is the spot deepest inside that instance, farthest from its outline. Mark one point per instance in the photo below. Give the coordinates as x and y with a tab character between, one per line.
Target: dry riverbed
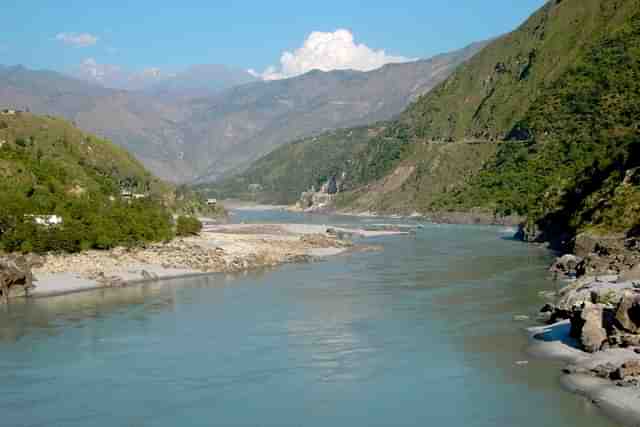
219	248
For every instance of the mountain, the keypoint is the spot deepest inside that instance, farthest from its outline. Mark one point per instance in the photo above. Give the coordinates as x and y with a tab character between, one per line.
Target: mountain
185	138
201	80
543	123
115	77
248	121
145	125
196	80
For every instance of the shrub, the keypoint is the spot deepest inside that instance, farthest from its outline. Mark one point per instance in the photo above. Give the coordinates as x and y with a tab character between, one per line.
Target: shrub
188	226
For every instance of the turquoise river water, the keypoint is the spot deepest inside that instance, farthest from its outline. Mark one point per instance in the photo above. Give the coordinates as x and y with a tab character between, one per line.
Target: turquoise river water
419	334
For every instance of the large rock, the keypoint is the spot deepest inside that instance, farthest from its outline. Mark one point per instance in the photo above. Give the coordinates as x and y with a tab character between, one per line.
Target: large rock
629	369
15	272
588	325
567	265
601	290
628	313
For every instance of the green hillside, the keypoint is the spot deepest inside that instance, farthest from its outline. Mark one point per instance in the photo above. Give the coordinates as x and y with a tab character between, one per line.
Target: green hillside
488	95
280	177
544	122
48	167
566	161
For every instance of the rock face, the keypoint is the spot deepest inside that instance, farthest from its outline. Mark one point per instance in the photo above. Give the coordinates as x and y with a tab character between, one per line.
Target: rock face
587	325
15	272
628	313
611	254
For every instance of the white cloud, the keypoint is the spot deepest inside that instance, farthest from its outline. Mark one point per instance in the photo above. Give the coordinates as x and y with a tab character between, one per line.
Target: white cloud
326	52
77	39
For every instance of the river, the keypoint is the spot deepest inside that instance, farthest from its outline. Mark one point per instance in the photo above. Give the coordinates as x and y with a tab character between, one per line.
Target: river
421	333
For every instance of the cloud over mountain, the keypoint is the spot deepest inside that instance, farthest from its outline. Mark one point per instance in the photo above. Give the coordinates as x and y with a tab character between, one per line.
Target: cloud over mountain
327	52
77	39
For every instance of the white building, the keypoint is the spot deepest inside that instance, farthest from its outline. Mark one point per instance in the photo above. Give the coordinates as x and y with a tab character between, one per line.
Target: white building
46	220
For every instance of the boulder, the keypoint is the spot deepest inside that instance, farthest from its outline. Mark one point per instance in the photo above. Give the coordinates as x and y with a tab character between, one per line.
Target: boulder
148	276
588	325
15	272
567	265
628	312
629	369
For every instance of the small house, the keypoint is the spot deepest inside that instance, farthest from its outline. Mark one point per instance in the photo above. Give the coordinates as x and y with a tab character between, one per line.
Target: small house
46	220
212	202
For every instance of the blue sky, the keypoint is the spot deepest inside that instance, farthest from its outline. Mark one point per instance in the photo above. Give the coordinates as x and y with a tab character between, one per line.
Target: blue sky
171	35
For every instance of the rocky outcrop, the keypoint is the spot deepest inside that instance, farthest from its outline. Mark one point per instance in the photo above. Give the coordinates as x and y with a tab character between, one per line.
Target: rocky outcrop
628	370
567	265
323	200
628	313
617	367
588	326
606	255
15	273
607	321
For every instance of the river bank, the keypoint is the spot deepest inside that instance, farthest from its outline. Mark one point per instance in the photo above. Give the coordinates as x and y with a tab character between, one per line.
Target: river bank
594	324
218	248
591	374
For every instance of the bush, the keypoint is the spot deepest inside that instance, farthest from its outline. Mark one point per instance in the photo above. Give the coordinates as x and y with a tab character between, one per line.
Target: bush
188	226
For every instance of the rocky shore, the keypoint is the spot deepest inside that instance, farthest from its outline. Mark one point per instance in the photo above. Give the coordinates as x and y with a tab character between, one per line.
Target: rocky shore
594	323
221	248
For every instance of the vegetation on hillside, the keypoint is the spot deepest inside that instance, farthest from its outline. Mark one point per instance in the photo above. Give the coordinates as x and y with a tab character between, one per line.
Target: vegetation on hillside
188	226
490	93
282	175
575	168
49	168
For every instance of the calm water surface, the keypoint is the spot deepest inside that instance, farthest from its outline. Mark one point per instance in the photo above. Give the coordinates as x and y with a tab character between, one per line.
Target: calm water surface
421	334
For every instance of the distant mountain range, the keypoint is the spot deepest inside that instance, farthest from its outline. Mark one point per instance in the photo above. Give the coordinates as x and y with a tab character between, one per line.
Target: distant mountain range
212	120
197	80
